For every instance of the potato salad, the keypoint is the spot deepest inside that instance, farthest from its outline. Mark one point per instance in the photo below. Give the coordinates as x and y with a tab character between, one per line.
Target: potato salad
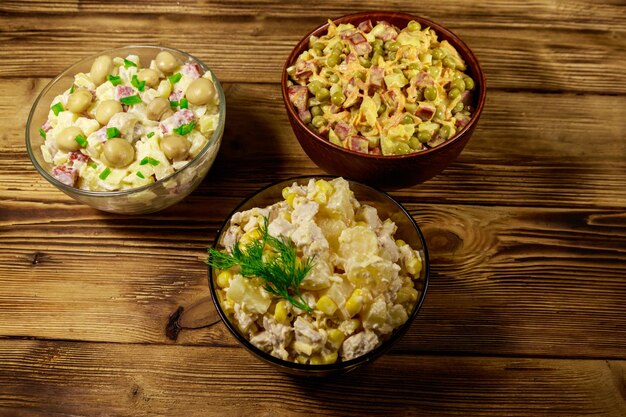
124	125
381	90
353	282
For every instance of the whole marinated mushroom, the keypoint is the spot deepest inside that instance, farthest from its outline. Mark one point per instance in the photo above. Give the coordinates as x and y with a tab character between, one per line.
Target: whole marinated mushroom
79	101
159	109
106	110
118	153
201	91
66	139
166	62
101	67
175	147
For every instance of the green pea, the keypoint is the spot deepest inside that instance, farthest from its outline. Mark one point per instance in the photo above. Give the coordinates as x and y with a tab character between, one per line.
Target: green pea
415	143
318	45
469	83
430	93
411	107
392	56
314	86
459	85
454	93
392	46
407	120
332	60
438	53
413	26
402	149
338	98
316	111
423	136
365	62
318	121
360	75
459	107
322	94
373	141
382	108
457	75
333	78
415	66
445	131
434	72
377	43
376	56
449	62
440	113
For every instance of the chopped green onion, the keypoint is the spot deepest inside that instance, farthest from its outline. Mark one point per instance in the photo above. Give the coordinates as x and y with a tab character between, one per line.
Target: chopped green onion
149	160
57	108
115	80
112	132
130	100
173	103
82	141
174	78
93	165
140	175
149	135
128	63
184	104
104	174
42	133
139	85
72	89
186	128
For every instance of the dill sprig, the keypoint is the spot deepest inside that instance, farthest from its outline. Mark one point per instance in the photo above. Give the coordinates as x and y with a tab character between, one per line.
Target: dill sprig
281	270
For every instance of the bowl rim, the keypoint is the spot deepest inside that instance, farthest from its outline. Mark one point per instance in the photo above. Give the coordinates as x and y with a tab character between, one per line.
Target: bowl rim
79	191
479	77
337	366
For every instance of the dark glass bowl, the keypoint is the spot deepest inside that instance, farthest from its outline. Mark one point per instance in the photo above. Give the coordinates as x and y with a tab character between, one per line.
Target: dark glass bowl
392	171
387	207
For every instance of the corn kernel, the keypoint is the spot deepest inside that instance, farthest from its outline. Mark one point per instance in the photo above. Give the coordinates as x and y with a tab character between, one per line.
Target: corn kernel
290	197
317	360
280	312
301	359
223	279
414	266
362	223
285	192
329	358
400	242
249	237
354	303
324	187
285	215
406	294
326	305
320	198
336	337
303	348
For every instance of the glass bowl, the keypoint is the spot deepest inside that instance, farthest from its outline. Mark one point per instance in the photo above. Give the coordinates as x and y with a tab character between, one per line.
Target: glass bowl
393	171
387	207
149	198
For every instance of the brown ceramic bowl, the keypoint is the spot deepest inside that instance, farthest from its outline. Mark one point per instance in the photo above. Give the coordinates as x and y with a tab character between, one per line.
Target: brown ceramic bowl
386	171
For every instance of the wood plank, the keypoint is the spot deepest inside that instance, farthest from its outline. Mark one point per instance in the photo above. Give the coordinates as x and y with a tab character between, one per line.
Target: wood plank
67	379
514	58
505	280
539	14
556	150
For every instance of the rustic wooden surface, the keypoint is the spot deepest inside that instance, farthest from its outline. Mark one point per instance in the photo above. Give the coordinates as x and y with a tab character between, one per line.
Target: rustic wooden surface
526	312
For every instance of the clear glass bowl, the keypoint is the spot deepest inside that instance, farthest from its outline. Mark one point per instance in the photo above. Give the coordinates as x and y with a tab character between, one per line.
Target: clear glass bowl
387	207
147	199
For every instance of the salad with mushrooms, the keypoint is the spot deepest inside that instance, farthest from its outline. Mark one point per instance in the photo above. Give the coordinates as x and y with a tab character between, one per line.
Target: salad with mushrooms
123	125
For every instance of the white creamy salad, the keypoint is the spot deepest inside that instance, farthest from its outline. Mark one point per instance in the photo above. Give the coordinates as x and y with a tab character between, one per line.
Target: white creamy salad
361	284
125	125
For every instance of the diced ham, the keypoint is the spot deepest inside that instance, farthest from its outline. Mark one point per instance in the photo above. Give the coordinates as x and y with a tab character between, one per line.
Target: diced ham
422	80
175	96
351	92
461	120
376	76
365	26
304	69
342	129
122	91
375	151
305	115
192	70
78	156
46	126
298	95
360	44
466	97
358	143
388	33
181	117
350	58
101	134
65	174
425	111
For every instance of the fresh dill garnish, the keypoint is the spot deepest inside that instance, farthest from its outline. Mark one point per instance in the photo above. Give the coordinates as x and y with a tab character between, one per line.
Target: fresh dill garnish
281	270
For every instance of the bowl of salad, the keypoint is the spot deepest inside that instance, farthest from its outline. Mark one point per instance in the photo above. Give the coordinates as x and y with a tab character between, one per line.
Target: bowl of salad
318	275
385	98
130	130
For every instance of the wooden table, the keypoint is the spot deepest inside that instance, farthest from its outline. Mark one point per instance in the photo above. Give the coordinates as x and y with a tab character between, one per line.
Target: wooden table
526	312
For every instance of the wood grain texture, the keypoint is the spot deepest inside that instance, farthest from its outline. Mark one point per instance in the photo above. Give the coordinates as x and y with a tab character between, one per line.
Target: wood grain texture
106	379
513	57
505	281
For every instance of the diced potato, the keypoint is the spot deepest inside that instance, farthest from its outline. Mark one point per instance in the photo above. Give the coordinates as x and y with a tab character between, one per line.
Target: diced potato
324	359
336	337
242	291
303	348
355	302
406	294
397	315
358	241
280	312
376	315
223	279
414	266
